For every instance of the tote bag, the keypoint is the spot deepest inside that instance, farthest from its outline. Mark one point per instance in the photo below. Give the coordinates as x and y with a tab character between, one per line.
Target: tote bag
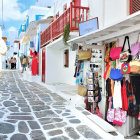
135	48
125	56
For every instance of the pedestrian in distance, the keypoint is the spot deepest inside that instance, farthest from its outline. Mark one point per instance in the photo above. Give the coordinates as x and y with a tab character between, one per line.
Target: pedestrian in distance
34	64
12	63
24	64
15	61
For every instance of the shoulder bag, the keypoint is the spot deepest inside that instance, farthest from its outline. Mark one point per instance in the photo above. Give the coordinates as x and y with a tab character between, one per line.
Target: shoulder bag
115	74
110	112
135	66
115	53
82	90
84	55
125	56
135	48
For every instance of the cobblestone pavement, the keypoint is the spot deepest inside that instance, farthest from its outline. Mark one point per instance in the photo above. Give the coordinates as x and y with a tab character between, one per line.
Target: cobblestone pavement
29	111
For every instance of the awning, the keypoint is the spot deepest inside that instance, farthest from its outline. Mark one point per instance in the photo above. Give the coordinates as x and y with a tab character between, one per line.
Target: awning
127	25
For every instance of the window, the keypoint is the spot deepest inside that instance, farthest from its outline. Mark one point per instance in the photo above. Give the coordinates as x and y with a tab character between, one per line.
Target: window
134	6
66	58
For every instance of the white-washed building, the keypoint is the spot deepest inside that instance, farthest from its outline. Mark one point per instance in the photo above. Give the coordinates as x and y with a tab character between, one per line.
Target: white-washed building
117	19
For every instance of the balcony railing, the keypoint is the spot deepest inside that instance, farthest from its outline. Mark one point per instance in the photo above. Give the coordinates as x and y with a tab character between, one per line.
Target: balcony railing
74	15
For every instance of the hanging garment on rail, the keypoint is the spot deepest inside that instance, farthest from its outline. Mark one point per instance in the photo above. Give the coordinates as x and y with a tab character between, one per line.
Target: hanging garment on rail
117	99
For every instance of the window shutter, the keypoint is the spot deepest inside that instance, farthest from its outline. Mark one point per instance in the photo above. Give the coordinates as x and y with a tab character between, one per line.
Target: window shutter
66	58
134	6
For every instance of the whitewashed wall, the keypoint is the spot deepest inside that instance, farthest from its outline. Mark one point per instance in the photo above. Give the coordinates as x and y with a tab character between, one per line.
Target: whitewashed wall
55	70
37	11
58	4
115	10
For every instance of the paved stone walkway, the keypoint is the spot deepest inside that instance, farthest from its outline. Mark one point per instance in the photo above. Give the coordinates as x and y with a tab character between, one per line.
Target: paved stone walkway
29	111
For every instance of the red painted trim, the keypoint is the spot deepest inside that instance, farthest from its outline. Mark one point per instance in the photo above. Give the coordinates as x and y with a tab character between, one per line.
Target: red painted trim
56	28
131	4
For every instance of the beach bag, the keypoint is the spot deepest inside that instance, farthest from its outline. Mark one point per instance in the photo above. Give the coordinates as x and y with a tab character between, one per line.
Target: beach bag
125	68
124	116
125	56
84	55
131	96
82	90
115	74
117	117
98	112
135	48
135	66
115	53
110	112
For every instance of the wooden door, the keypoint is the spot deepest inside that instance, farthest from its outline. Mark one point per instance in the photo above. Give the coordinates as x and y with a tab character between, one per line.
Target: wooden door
66	58
43	64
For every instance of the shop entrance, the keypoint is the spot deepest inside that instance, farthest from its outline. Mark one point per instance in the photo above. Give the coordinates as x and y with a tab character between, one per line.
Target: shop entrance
43	64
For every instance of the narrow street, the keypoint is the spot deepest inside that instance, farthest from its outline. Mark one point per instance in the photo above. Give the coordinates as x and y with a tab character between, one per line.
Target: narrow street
29	111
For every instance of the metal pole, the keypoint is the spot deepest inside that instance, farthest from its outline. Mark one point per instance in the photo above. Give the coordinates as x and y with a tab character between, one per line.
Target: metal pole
2	11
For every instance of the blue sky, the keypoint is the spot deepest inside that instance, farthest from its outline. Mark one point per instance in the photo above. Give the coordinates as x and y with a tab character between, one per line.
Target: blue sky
14	13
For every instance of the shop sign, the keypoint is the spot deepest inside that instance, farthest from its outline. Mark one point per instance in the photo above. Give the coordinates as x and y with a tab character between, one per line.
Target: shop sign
88	26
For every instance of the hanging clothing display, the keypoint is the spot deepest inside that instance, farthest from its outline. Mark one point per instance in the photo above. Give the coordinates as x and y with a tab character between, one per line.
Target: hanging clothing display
117	99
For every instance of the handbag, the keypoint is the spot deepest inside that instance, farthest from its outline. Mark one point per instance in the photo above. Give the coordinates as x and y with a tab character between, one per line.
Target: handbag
133	109
98	112
115	53
84	55
110	112
125	56
115	74
82	91
135	66
124	116
125	68
131	97
117	117
135	48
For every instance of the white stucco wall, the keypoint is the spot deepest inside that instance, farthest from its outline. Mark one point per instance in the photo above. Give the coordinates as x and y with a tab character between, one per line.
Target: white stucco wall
55	70
108	11
34	10
58	4
115	10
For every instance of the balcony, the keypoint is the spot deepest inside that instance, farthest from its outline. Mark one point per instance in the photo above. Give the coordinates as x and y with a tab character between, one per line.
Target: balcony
74	15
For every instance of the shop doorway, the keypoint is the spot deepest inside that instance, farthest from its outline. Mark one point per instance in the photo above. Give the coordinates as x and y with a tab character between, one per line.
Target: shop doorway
43	64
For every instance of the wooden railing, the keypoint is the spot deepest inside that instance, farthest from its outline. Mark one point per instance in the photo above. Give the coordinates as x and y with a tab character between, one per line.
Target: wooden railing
74	15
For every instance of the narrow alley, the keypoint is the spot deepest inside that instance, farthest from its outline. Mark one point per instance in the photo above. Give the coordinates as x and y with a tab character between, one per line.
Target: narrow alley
30	111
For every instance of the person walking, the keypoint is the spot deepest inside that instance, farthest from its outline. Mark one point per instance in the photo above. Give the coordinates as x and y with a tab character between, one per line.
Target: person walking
15	61
12	63
34	64
24	64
